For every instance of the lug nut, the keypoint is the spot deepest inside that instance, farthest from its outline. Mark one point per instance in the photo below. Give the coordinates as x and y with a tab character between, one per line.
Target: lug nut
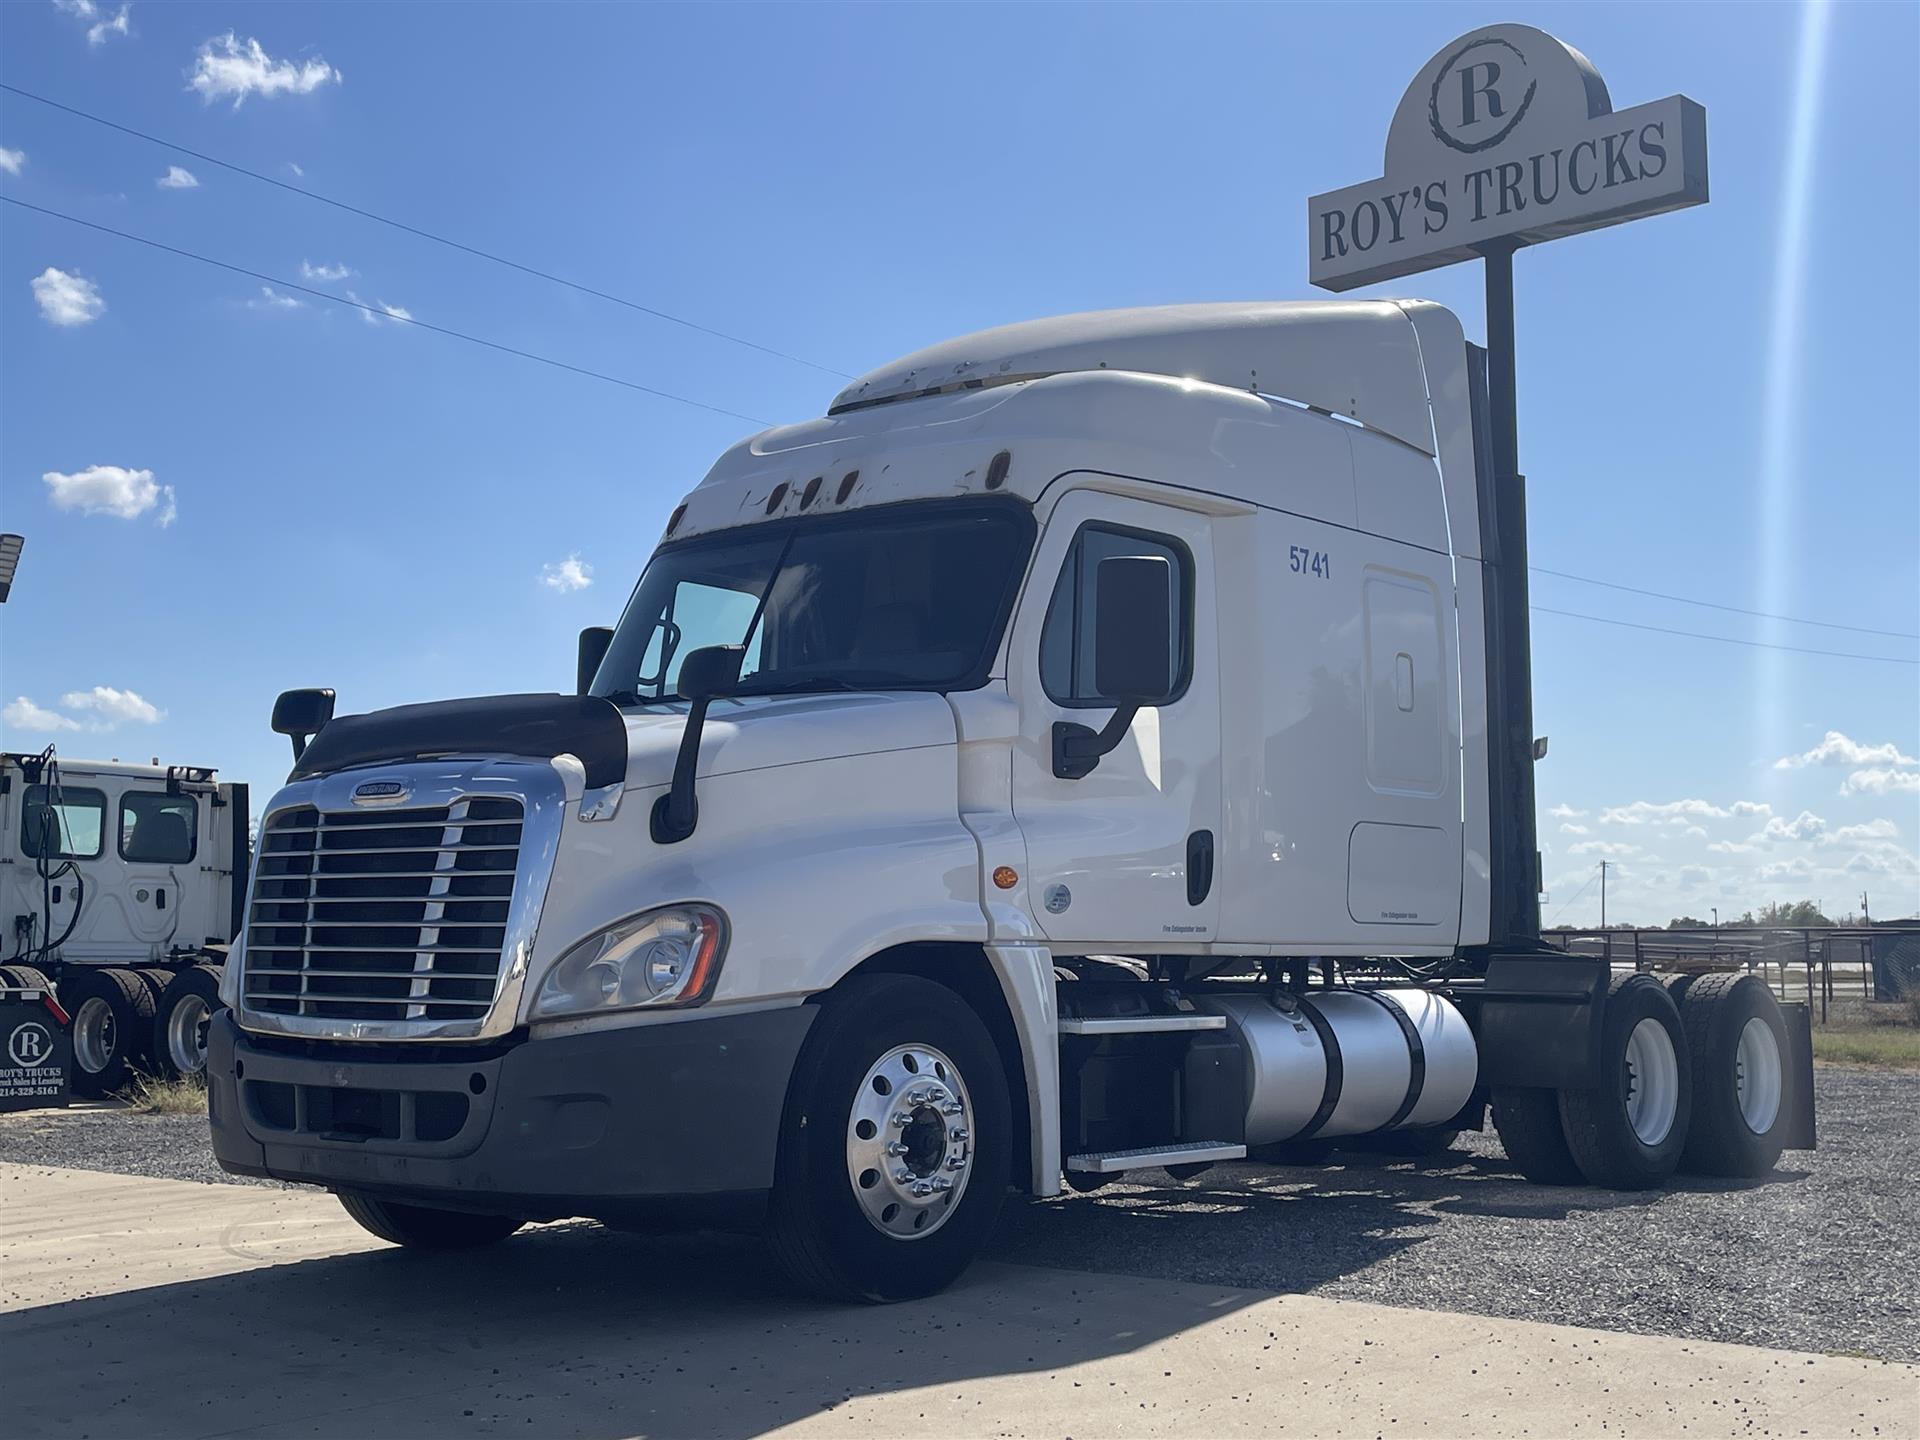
952	1107
956	1162
943	1183
923	1188
896	1147
901	1118
902	1175
958	1132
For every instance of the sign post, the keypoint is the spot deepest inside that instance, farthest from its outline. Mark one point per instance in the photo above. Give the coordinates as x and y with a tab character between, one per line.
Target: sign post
1506	138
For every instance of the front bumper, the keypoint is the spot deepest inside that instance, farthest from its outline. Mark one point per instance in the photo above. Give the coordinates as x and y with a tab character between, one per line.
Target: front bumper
604	1124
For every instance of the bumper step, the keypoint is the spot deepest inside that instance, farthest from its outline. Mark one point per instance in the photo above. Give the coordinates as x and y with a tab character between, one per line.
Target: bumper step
1190	1152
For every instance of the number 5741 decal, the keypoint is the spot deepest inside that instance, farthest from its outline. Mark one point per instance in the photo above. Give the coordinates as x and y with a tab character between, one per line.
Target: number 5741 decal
1303	561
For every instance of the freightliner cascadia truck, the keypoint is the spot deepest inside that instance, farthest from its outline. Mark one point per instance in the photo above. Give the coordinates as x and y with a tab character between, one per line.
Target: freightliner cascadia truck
1078	752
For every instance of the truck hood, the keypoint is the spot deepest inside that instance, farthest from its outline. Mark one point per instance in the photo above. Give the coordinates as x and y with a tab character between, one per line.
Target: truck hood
762	732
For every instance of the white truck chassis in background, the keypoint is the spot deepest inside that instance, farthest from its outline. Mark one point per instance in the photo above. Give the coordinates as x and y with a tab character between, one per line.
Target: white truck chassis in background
121	887
1071	754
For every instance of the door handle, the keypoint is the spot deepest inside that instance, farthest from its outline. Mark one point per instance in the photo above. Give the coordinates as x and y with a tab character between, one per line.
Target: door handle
1199	866
160	896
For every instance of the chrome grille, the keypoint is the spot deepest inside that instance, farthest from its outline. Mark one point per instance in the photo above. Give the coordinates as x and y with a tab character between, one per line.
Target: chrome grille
384	914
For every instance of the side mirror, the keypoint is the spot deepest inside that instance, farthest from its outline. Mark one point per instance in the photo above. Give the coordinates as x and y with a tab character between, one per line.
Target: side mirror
710	673
594	641
1132	656
299	714
706	674
1133	635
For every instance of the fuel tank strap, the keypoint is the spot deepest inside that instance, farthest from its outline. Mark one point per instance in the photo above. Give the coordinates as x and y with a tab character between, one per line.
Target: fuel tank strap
1416	1052
1336	1070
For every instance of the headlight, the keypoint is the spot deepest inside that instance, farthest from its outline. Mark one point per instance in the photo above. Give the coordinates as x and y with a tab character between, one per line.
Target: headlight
659	958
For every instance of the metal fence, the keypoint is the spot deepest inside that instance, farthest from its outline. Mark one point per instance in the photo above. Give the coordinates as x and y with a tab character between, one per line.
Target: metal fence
1820	964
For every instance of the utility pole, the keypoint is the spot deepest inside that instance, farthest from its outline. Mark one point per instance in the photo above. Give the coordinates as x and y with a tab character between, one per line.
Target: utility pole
1603	894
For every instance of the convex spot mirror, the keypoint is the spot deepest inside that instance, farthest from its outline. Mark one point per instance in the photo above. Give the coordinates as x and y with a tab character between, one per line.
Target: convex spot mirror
1133	629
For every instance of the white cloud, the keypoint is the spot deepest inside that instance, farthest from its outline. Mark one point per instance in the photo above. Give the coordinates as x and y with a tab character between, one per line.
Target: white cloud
1694	876
1882	782
23	714
177	178
1567	827
1798	868
1643	812
1602	847
1838	749
1752	807
572	573
114	706
226	65
12	161
67	299
377	311
1566	812
271	299
1698	832
111	490
324	273
1732	847
1853	834
294	166
1804	826
99	24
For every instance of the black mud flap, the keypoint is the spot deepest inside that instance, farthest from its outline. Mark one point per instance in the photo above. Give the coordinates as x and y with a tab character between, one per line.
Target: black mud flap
1800	1127
1538	1021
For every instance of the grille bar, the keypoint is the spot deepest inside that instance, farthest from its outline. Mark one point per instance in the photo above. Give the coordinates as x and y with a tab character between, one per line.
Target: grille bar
421	941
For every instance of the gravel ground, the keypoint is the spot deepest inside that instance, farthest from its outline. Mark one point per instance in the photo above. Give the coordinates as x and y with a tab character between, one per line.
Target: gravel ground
1823	1255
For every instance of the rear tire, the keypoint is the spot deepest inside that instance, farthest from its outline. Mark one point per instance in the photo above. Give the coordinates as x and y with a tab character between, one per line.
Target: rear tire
112	1012
1528	1124
1627	1132
180	1021
847	1219
1741	1095
24	977
419	1227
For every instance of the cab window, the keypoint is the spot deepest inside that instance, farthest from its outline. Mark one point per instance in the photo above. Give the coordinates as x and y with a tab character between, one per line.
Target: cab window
1066	639
69	825
157	828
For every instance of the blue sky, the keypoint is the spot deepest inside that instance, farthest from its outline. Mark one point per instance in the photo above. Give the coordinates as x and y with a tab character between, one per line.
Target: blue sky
363	504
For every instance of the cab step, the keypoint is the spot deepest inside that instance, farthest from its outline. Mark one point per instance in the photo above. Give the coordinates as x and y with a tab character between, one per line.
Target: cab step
1138	1024
1189	1152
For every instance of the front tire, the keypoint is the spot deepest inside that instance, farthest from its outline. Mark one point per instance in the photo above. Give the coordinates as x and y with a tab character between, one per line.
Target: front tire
419	1227
1627	1132
1738	1040
896	1143
1527	1120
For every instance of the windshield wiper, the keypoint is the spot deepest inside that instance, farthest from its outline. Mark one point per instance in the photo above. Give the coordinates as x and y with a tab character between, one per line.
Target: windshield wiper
631	697
805	684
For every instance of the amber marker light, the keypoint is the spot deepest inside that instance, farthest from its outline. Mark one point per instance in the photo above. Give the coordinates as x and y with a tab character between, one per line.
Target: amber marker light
1006	877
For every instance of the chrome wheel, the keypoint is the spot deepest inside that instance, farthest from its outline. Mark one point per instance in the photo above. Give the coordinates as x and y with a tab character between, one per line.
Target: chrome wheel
1757	1076
187	1035
1653	1082
910	1142
96	1036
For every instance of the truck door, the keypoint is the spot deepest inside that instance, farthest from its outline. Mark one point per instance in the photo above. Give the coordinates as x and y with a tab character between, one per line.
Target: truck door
1122	857
159	845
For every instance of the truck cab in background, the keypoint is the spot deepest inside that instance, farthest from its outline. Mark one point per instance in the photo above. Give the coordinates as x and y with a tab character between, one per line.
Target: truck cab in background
1069	755
121	886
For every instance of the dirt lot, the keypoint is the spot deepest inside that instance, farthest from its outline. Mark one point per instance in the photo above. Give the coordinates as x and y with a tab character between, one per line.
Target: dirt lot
1824	1255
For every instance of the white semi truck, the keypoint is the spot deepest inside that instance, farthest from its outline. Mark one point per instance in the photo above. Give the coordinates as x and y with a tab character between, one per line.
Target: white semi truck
1082	750
120	888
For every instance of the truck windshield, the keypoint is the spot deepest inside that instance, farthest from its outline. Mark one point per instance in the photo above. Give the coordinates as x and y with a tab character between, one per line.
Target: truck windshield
912	597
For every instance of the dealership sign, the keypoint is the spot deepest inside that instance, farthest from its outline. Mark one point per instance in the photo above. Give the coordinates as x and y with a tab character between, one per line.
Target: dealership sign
1506	137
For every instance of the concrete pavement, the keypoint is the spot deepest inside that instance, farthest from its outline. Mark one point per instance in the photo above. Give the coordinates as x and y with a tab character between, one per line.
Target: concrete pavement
137	1307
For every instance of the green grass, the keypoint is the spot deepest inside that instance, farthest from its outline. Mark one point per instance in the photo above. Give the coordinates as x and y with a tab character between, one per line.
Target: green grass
1884	1049
147	1095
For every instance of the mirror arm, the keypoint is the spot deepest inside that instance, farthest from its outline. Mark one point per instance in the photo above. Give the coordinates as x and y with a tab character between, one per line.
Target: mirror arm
677	812
1077	748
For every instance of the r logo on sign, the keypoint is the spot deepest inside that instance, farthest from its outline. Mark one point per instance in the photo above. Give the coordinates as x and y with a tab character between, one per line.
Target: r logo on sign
29	1045
1482	92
